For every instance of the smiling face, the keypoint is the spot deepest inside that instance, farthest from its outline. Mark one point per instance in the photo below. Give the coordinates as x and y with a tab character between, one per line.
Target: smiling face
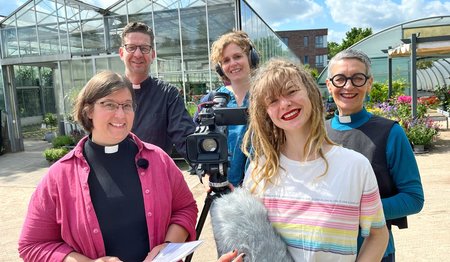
349	99
235	63
112	126
137	64
291	110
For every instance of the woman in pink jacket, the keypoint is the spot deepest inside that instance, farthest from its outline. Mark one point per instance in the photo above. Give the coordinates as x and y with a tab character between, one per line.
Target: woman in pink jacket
112	198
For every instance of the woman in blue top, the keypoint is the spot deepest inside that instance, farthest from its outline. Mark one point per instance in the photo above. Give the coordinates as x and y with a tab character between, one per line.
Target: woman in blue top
234	58
381	140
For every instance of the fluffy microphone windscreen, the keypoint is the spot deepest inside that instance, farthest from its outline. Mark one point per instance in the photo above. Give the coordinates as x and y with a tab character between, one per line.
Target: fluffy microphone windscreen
240	221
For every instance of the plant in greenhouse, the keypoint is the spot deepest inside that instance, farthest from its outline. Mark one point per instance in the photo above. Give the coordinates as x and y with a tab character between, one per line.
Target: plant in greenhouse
443	93
421	131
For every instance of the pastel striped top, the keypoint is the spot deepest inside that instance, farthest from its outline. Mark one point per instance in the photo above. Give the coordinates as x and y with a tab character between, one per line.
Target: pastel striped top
319	217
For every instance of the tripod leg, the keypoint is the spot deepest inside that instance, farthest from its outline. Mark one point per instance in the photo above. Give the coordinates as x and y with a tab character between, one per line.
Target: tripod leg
201	221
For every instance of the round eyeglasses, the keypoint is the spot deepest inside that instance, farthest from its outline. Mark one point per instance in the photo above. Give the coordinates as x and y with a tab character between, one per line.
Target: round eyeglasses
357	80
145	49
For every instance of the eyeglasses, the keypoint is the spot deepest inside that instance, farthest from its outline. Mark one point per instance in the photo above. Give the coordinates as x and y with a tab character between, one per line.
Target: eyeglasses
357	80
145	49
113	106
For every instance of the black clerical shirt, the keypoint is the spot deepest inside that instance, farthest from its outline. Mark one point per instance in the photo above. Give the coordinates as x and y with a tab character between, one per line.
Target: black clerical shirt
116	194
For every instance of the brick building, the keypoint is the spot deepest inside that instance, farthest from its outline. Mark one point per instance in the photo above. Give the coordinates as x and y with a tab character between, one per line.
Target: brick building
310	46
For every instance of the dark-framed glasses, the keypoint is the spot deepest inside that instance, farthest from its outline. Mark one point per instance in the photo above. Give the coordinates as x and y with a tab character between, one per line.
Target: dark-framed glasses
145	49
111	106
358	80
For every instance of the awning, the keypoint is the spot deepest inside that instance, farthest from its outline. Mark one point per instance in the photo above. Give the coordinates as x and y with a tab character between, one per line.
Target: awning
423	49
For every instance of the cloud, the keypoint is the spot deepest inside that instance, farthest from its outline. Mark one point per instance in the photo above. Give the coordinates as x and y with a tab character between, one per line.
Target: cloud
381	14
279	13
335	36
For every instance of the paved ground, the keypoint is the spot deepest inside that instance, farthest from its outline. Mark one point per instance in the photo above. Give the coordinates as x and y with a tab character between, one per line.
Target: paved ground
427	239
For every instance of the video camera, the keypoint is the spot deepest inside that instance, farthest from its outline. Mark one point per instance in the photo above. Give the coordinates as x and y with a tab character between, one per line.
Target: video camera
208	146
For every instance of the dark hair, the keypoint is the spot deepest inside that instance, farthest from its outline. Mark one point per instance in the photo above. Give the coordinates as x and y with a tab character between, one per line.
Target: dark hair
138	27
99	86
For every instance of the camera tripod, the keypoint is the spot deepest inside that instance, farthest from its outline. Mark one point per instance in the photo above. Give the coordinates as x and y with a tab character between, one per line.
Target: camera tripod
217	190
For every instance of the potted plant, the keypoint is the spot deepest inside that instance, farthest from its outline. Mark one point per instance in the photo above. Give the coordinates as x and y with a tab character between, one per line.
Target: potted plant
63	141
50	120
443	94
53	154
420	133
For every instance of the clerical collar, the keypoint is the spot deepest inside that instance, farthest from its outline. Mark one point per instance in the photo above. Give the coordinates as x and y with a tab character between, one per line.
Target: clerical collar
345	119
107	149
137	86
111	149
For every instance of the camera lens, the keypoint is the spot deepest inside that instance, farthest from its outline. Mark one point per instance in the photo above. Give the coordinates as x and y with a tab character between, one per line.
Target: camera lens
209	145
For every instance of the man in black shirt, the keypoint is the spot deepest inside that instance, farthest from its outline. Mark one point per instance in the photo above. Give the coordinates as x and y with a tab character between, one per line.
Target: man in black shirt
161	117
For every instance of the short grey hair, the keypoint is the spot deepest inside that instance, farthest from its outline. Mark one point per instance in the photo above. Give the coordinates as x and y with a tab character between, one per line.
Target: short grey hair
350	54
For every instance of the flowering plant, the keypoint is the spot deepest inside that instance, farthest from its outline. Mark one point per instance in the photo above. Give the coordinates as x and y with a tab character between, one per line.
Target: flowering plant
443	94
421	131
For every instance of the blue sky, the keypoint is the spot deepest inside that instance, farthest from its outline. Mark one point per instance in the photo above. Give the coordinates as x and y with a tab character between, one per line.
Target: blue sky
336	15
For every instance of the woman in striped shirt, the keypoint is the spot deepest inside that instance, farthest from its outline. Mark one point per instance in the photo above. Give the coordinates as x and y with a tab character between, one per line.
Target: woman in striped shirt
318	195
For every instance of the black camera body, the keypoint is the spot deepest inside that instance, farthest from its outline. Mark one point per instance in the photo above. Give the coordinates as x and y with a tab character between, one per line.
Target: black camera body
207	146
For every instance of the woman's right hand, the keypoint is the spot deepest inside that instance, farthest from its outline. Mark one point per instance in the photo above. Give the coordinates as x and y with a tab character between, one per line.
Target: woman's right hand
107	259
232	257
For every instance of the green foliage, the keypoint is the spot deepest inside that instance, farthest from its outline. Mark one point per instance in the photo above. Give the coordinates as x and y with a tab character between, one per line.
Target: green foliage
422	64
443	94
421	134
312	71
50	120
333	49
61	141
379	91
53	154
351	37
191	108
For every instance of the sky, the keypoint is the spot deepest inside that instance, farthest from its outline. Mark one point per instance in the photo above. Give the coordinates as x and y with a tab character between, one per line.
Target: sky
339	16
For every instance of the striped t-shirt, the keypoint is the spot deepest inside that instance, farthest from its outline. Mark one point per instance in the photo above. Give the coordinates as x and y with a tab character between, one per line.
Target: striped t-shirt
319	217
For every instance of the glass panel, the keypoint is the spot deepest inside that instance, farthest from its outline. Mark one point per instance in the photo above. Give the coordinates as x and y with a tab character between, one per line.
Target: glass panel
93	36
196	86
221	18
195	40
81	72
47	24
28	100
63	29
27	40
9	42
49	99
2	94
116	25
25	16
267	43
74	29
120	9
142	7
167	38
26	76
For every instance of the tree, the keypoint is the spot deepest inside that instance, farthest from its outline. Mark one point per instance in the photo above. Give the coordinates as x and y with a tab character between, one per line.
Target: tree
333	49
351	37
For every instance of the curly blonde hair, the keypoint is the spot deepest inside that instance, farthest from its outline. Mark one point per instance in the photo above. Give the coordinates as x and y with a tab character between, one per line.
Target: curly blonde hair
263	139
240	38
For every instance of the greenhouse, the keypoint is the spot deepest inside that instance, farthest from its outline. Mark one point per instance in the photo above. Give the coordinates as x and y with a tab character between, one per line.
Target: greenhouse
391	54
50	48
